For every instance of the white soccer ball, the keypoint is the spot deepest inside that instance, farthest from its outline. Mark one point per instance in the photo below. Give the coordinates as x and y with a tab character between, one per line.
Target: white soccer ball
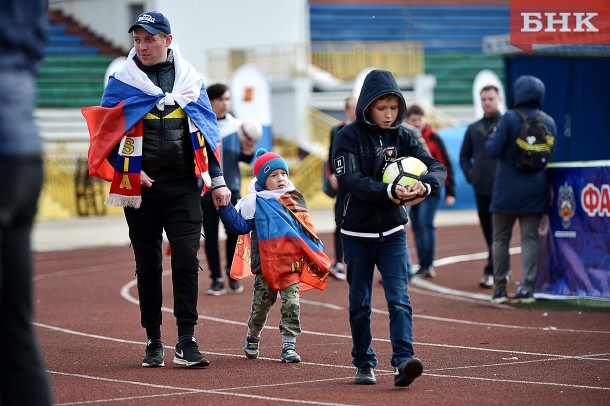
405	171
251	130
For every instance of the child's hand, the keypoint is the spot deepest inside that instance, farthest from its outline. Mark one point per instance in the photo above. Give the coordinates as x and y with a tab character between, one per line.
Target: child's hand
414	194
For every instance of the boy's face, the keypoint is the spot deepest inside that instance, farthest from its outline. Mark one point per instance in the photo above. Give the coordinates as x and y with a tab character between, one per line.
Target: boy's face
384	111
416	120
221	105
278	179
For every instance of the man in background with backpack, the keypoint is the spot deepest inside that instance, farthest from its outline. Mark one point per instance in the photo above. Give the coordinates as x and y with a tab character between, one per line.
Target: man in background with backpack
480	169
521	188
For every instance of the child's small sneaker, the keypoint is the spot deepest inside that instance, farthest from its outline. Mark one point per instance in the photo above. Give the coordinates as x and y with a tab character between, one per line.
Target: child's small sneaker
406	372
252	347
338	271
523	296
289	355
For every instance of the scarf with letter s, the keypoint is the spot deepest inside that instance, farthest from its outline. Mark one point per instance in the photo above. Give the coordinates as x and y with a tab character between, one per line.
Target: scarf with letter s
128	97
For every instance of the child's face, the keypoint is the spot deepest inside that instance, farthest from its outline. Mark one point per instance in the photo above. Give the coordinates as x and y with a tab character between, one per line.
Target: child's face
384	111
278	179
416	120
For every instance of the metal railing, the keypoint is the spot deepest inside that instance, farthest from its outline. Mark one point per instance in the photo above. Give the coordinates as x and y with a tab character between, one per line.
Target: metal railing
344	60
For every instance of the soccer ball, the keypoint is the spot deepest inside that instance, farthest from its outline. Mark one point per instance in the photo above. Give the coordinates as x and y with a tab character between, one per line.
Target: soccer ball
405	171
251	130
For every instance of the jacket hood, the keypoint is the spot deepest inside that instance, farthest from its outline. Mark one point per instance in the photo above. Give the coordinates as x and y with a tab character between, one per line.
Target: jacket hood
377	83
528	91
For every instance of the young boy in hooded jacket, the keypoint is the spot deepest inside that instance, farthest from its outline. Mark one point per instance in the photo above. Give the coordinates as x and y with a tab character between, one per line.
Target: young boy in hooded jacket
373	224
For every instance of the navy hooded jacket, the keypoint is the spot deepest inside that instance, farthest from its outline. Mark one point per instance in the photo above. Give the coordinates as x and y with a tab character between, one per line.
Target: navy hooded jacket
517	191
361	151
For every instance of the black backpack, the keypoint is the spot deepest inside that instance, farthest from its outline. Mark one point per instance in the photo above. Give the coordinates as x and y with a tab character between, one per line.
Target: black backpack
533	145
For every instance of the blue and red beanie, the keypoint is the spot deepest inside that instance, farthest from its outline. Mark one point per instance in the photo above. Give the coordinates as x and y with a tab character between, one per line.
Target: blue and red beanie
265	163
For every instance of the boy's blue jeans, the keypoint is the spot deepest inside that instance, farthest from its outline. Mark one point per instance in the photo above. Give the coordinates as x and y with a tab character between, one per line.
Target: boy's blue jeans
390	257
422	222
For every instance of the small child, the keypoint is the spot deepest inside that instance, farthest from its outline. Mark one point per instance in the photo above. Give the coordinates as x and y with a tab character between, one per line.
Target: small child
285	251
373	225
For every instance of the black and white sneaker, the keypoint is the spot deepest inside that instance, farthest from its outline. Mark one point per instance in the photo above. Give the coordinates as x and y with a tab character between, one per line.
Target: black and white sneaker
234	285
189	356
407	371
499	296
217	288
487	281
523	296
154	354
365	375
338	271
426	272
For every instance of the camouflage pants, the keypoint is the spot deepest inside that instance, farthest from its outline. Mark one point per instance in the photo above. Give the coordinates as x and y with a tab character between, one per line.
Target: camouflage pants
263	299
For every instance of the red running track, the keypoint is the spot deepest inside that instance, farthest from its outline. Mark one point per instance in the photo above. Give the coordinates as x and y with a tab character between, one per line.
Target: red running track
474	352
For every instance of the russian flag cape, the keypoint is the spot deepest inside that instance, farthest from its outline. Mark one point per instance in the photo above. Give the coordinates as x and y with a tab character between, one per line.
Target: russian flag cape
128	97
289	248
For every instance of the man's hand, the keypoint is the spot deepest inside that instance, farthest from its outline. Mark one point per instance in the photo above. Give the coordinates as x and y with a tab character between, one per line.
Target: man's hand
221	197
333	180
145	180
247	146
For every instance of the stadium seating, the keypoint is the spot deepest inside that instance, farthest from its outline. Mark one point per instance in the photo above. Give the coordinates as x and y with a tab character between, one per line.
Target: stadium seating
72	74
451	35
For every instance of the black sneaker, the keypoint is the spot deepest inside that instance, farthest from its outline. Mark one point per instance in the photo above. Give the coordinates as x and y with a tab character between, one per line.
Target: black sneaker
365	375
523	296
252	347
487	281
188	355
499	296
426	272
235	285
217	288
406	372
338	271
154	353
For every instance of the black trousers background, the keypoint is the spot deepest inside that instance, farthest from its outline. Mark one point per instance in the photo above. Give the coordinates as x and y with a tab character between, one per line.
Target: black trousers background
173	207
23	380
211	222
485	220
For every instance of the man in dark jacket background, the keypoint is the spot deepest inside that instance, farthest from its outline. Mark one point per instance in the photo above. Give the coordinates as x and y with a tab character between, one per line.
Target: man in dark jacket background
480	169
517	193
23	380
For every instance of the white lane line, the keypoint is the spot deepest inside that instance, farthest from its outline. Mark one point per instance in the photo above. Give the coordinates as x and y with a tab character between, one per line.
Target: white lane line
191	391
477	378
555	357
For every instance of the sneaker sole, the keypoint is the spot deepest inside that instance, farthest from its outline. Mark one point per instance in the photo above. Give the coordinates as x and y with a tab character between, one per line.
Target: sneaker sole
411	370
188	364
366	381
524	300
251	356
238	290
154	365
499	300
215	292
291	361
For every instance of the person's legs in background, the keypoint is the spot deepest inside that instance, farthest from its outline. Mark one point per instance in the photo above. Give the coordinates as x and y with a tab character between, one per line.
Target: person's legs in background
486	223
502	232
211	222
422	220
530	258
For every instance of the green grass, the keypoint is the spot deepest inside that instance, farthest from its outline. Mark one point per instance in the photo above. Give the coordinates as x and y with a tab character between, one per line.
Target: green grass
568	305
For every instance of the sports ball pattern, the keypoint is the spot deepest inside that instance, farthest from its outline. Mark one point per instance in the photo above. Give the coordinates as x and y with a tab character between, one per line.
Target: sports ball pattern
405	171
250	130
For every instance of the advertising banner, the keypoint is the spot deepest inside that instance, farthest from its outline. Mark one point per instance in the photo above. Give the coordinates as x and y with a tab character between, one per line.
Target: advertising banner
575	242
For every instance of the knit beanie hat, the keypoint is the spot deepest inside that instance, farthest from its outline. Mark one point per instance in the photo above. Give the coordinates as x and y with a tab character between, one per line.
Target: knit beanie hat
265	163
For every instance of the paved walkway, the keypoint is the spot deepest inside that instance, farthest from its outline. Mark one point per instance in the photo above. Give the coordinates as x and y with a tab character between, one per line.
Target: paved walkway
83	232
